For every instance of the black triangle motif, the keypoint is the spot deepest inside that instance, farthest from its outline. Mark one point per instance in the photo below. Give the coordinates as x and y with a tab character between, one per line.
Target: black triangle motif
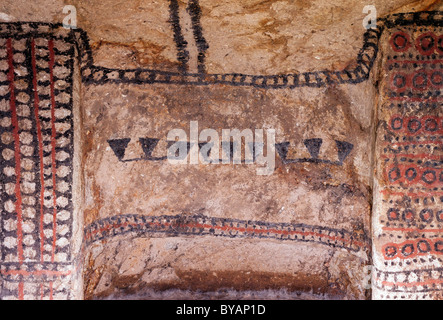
313	146
119	147
282	149
344	148
148	145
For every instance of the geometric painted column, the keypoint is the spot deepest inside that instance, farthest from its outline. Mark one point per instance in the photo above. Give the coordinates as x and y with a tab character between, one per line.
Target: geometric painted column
40	226
408	186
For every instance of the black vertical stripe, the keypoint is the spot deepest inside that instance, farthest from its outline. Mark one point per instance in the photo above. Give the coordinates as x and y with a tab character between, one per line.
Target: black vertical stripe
180	42
194	11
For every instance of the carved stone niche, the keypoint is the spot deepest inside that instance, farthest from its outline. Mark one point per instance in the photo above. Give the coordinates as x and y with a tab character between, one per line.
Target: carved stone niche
207	149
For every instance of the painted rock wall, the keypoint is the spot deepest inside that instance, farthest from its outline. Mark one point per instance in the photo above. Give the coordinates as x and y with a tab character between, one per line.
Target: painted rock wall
293	226
181	149
408	203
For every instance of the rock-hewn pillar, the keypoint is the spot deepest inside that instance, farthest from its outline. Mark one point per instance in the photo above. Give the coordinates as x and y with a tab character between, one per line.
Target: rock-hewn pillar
408	193
41	229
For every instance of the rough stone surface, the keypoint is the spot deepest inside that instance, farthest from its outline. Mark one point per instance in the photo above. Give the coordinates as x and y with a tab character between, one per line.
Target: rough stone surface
313	227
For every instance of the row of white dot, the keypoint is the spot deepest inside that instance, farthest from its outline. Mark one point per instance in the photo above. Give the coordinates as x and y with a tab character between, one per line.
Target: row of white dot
30	254
61	202
28	150
32	290
62	171
28	240
412	277
26	138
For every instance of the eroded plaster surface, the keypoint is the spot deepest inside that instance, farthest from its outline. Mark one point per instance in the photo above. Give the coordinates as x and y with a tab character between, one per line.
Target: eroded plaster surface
93	208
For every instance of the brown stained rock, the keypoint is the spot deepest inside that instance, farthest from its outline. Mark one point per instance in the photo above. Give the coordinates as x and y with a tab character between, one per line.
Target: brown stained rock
138	34
180	263
253	37
47	10
154	229
196	196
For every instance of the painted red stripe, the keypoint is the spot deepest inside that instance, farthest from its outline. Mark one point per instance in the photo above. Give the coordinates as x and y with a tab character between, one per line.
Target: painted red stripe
14	120
415	61
53	144
51	290
21	290
423	156
412	284
275	231
229	228
417	99
411	229
413	142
